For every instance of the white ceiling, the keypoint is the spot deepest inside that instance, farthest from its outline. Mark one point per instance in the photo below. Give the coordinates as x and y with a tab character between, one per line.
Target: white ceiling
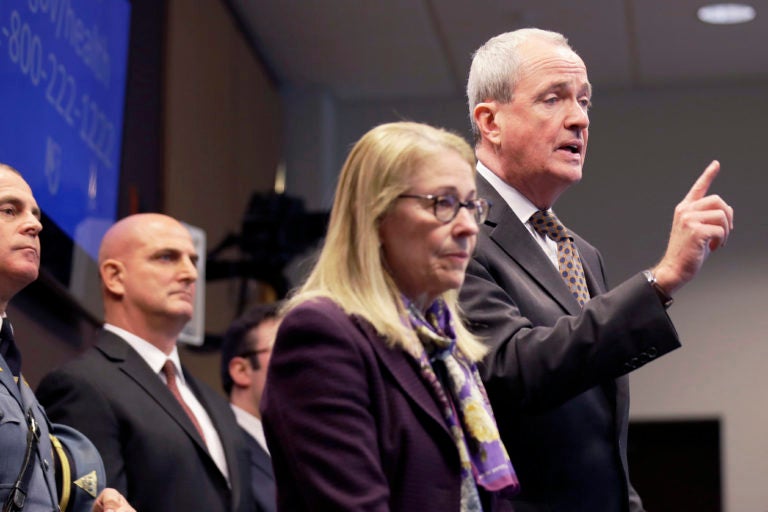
369	49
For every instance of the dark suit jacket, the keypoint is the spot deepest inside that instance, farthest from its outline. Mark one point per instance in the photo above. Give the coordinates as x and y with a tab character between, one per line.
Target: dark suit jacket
350	424
151	450
262	477
556	374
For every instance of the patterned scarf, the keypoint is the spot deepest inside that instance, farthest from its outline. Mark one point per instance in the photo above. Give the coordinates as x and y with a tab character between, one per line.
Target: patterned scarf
465	406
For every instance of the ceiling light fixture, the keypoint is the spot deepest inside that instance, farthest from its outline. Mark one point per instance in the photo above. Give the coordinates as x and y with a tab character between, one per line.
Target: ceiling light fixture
726	14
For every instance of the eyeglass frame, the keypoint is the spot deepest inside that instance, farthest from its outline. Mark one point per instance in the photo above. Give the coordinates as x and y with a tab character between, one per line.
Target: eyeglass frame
250	354
471	205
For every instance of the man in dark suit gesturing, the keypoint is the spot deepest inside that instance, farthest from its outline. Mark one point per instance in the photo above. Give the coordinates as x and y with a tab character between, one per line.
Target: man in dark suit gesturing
168	441
561	343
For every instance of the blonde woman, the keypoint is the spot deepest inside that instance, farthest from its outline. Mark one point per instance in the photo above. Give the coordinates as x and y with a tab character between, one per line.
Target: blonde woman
373	401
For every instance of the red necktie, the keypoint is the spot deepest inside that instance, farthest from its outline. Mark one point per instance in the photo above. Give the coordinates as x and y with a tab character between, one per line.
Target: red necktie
170	380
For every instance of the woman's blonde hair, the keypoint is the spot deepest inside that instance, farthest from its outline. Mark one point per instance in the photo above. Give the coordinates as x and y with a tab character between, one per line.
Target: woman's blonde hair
350	269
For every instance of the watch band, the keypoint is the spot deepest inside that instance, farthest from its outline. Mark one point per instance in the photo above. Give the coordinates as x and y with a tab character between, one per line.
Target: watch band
666	300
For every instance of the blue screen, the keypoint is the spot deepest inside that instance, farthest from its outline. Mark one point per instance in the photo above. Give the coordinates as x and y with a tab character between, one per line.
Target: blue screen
62	89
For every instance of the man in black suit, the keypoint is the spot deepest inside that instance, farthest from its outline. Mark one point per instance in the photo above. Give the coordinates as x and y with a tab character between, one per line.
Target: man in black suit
561	342
168	441
245	355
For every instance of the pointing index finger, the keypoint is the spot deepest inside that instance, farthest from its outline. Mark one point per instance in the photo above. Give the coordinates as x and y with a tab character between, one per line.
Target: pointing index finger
701	186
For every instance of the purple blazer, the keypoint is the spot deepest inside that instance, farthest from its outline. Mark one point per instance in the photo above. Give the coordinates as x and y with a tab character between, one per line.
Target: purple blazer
349	422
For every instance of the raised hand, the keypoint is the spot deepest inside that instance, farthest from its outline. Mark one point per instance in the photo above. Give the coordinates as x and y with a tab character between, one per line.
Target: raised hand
702	223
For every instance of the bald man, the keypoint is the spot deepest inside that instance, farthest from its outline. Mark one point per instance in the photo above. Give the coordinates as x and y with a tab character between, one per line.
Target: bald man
165	452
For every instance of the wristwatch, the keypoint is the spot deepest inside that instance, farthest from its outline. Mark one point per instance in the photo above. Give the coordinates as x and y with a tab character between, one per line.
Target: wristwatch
666	300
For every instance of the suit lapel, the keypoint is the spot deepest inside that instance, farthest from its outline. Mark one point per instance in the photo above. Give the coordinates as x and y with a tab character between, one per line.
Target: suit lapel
511	235
217	415
592	267
405	373
259	457
130	362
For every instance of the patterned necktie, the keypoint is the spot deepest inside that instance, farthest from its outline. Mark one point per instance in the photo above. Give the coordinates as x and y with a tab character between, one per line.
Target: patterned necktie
568	260
8	348
170	381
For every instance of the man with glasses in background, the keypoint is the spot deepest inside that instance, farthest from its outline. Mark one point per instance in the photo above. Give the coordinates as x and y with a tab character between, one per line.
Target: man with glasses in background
245	356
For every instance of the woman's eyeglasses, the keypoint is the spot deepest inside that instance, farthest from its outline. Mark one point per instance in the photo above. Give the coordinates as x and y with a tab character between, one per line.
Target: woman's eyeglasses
446	207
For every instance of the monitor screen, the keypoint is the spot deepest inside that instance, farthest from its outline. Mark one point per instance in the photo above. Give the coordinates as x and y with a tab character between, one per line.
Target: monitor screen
63	75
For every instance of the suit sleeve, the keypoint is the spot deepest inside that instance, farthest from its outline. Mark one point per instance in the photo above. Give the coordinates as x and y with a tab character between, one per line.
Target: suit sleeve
70	400
317	414
537	367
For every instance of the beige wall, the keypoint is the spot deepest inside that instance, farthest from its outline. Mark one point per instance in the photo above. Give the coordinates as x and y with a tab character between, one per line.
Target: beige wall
222	138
